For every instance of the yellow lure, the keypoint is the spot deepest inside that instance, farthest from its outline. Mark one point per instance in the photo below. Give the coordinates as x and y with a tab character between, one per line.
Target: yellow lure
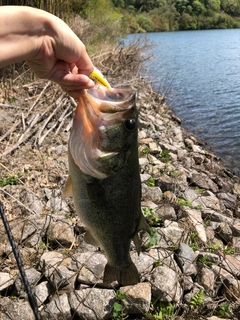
98	77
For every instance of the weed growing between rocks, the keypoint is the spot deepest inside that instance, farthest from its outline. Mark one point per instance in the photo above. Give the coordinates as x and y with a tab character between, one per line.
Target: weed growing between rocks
190	264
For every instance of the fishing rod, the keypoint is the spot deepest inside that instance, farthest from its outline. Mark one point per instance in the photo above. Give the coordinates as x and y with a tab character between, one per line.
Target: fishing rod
31	297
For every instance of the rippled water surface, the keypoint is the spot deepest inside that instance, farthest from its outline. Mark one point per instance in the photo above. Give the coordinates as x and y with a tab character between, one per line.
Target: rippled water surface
200	73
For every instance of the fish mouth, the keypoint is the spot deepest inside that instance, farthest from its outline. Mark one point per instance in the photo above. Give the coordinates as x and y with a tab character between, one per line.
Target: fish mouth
109	100
99	111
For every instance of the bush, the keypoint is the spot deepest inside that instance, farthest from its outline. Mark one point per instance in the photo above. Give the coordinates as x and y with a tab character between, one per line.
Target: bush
187	22
145	23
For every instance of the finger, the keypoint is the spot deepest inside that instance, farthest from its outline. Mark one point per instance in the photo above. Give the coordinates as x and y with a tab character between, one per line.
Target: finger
76	93
84	64
71	81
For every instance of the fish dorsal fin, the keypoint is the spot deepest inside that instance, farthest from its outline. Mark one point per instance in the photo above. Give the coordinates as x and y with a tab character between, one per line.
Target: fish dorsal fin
67	191
89	238
143	225
137	243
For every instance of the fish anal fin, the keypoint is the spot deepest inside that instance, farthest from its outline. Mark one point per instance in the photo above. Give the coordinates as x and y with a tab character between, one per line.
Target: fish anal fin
125	276
89	238
67	191
137	243
143	225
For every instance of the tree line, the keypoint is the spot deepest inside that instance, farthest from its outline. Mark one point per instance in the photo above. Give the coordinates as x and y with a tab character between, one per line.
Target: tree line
132	16
171	15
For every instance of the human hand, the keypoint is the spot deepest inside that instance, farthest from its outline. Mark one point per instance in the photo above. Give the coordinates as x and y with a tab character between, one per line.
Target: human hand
64	60
49	46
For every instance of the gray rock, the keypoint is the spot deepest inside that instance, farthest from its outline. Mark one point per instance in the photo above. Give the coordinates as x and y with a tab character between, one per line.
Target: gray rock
215	216
235	230
195	219
6	280
166	212
31	233
154	147
143	162
236	188
28	256
60	149
12	309
168	291
229	200
149	204
167	183
153	160
41	292
210	233
231	264
33	277
31	200
231	288
167	146
198	158
203	181
62	277
163	258
236	244
142	134
189	143
225	232
145	177
16	227
186	258
177	134
209	200
29	228
58	308
34	241
55	202
221	273
151	193
93	303
144	262
212	257
181	153
216	318
49	261
90	266
194	197
195	290
187	283
61	231
138	298
188	163
206	279
169	236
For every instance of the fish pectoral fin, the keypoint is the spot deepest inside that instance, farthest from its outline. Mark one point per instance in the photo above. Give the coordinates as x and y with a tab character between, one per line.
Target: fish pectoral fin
89	238
143	225
67	191
137	243
125	276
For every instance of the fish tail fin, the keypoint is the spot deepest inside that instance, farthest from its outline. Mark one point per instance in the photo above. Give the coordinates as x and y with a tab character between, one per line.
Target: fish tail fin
125	276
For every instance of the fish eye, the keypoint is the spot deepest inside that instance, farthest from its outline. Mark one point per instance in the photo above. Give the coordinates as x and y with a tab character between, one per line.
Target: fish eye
130	124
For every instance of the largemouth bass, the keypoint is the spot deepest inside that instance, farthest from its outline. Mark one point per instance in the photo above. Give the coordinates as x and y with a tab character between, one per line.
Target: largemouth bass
104	177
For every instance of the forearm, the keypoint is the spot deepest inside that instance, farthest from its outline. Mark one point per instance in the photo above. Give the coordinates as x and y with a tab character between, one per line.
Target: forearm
22	30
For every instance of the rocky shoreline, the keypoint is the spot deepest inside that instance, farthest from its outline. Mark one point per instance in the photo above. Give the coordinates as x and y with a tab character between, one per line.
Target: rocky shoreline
189	267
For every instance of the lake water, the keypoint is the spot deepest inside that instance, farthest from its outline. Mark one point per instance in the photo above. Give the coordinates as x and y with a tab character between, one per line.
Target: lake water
199	71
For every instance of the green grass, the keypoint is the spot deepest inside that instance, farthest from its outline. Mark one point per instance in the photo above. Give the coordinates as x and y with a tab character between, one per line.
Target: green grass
11	179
